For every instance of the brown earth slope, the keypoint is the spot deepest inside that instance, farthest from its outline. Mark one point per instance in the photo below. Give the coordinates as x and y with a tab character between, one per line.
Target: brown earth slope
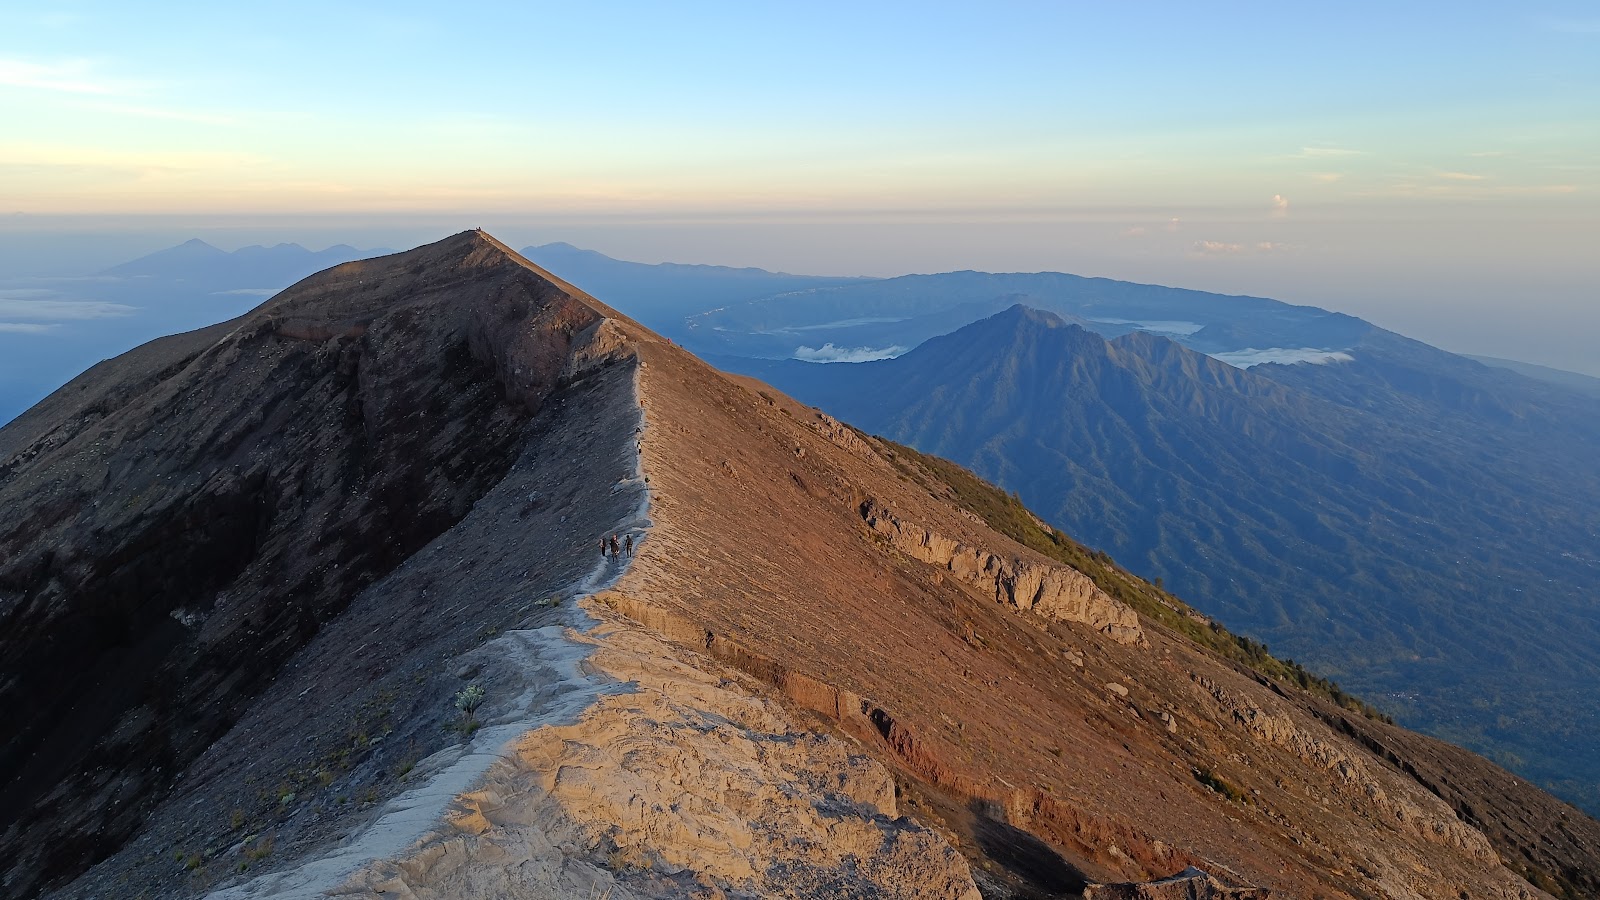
357	491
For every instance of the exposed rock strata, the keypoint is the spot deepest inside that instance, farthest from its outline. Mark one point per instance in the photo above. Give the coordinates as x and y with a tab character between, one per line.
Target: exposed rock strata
1190	884
688	784
1054	592
873	725
1360	785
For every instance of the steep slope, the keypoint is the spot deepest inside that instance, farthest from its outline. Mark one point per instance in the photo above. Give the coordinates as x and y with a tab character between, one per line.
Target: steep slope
1376	550
192	513
820	675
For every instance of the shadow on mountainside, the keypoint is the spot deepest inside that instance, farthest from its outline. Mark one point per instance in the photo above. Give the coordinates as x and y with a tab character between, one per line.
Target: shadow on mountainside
1031	860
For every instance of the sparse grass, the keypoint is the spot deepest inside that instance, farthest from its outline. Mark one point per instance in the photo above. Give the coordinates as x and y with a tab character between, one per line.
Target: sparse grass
259	850
1006	514
1221	785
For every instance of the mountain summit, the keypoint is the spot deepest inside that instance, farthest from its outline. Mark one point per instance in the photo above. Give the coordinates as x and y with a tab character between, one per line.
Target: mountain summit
311	601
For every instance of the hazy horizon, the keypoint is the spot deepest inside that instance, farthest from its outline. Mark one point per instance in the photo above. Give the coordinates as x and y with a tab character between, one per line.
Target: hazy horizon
1473	309
1431	168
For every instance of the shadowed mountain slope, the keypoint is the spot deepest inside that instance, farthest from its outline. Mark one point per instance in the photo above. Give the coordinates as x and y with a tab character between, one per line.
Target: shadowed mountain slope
1419	557
193	512
265	558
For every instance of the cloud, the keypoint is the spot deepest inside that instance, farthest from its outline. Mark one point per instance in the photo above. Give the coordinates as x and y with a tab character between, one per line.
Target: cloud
1324	152
1232	248
1136	231
71	77
24	328
1327	177
828	353
1174	224
1280	206
15	307
157	112
1250	356
1460	176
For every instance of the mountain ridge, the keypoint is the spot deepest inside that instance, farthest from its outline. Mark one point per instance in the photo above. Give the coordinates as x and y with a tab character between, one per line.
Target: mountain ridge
814	639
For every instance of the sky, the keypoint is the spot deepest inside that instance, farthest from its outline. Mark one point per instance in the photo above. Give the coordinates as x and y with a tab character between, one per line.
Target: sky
1432	167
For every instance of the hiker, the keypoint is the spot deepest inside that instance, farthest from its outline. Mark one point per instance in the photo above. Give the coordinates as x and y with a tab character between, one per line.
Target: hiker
627	544
602	545
614	550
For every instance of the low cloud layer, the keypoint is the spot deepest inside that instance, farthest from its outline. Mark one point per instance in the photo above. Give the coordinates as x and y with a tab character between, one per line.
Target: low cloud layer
828	353
1250	356
20	305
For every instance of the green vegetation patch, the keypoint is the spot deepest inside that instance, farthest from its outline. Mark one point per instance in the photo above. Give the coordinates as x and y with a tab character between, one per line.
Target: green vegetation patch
1006	514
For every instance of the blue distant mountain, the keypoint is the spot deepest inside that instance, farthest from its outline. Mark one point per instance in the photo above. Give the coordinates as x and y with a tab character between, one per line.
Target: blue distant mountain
663	295
1420	526
255	268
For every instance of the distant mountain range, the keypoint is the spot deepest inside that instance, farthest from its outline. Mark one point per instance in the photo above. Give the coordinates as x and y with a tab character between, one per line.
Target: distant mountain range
663	295
1586	384
262	270
892	315
1415	524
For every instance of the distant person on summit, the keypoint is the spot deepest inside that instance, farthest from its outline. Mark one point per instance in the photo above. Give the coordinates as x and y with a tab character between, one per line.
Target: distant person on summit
627	545
602	545
615	551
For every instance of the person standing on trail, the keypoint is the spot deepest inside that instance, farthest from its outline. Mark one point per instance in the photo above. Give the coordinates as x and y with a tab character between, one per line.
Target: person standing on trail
602	545
615	551
627	545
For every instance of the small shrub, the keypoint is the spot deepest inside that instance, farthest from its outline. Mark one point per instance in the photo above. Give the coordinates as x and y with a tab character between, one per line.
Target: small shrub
468	699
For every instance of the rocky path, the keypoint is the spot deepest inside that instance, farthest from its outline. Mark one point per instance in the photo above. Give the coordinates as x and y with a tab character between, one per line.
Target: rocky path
536	677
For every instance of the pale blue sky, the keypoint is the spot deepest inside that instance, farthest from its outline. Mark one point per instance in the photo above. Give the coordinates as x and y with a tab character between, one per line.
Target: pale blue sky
1427	165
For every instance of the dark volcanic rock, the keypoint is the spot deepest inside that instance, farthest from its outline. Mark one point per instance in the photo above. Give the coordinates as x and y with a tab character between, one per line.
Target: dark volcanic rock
194	511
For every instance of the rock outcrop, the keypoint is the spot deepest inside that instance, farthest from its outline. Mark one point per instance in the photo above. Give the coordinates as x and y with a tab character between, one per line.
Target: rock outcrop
1190	884
686	784
1053	592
